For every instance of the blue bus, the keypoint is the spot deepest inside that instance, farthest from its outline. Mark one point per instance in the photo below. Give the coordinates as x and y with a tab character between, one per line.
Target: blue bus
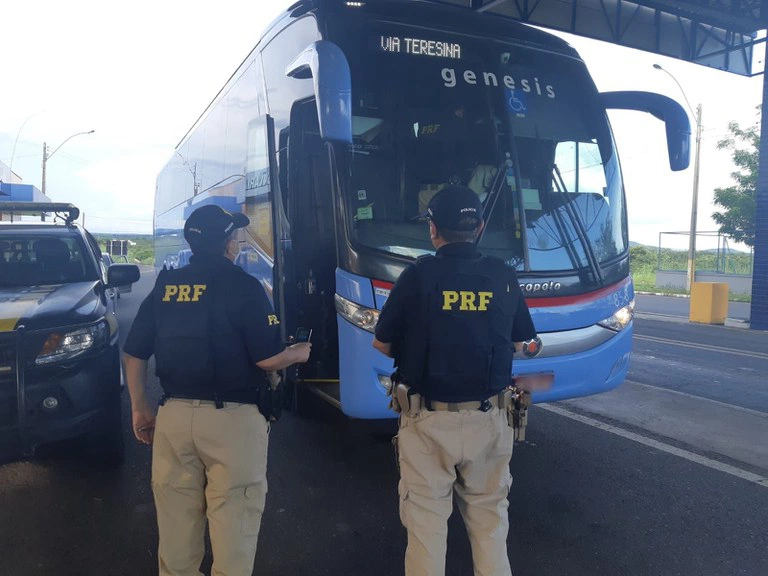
347	117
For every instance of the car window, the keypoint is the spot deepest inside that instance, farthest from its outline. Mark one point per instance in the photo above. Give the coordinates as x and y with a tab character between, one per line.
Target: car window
31	259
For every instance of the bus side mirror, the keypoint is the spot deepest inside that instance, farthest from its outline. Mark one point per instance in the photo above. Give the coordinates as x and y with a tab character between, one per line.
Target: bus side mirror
325	63
670	112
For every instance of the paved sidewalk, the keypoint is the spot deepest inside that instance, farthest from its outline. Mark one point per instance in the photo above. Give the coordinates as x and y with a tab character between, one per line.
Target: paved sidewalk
676	308
729	322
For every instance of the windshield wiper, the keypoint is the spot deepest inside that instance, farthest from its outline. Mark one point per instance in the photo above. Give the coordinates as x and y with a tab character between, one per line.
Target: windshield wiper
499	181
578	224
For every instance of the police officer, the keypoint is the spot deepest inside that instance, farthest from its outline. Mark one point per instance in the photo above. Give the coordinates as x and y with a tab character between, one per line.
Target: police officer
214	334
450	322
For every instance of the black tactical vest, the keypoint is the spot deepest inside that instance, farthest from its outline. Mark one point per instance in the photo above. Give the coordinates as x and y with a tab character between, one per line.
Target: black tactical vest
198	352
183	349
468	310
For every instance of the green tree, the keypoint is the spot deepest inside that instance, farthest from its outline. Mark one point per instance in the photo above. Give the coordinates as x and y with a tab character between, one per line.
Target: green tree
737	217
642	257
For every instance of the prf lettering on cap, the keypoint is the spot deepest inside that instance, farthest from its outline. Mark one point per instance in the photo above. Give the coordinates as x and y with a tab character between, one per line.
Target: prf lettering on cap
184	292
466	301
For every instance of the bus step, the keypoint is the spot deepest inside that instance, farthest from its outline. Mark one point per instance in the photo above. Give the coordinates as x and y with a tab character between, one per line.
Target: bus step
328	391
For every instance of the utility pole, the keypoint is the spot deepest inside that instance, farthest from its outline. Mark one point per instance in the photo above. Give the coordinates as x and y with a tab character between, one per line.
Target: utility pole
45	160
691	273
691	277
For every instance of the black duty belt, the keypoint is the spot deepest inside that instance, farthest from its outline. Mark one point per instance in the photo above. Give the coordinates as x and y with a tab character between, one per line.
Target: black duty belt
482	405
217	400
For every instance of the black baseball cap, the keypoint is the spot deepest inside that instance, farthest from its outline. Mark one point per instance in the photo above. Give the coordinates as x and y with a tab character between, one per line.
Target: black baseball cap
455	207
210	224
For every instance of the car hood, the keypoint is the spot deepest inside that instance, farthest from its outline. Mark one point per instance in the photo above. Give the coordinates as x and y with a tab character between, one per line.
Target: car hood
39	307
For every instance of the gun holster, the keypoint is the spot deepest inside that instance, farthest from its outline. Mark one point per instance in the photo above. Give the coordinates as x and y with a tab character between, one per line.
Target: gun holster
272	397
402	398
517	402
394	403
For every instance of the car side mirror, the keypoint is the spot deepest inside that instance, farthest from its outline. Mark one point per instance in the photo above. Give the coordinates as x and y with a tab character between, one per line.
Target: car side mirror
122	275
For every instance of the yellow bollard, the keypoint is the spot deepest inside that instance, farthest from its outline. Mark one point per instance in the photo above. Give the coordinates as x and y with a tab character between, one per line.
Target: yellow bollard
709	302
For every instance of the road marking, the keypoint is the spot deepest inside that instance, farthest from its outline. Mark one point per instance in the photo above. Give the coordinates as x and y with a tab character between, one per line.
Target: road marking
695	397
708	462
720	349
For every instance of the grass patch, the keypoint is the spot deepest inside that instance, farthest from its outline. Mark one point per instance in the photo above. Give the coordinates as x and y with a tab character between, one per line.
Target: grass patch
643	285
644	262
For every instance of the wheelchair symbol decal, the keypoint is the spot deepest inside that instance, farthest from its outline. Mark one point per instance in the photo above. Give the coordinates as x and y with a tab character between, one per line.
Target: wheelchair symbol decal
516	102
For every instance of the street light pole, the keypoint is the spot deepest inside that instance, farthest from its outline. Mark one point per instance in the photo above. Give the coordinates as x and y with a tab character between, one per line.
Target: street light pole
13	154
47	156
691	276
691	272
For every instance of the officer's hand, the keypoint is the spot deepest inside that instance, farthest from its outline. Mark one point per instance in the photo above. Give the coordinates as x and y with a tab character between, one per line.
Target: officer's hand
301	351
143	425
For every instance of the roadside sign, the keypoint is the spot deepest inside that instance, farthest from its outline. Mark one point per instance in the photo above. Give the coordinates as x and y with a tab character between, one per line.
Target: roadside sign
117	247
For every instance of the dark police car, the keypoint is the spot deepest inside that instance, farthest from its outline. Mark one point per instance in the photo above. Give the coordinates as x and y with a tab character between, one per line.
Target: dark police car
60	373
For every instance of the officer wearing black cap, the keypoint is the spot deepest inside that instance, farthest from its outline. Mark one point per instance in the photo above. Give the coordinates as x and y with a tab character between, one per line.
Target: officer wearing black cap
214	336
450	323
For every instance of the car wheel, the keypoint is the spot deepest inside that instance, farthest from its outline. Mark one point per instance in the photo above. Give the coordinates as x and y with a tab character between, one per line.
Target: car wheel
107	442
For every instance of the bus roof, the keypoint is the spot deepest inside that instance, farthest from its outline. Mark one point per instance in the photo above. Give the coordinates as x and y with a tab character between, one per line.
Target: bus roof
429	13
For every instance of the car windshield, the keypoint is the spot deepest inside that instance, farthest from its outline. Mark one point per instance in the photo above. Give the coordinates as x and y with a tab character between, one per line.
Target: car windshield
38	259
521	128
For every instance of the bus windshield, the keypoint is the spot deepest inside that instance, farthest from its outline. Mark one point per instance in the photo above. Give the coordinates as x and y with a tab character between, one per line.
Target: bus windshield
521	127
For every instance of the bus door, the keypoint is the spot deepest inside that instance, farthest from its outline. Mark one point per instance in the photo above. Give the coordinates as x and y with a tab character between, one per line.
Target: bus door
310	212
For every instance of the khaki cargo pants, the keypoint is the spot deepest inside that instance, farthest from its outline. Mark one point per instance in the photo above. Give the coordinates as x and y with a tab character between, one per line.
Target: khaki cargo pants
209	463
465	453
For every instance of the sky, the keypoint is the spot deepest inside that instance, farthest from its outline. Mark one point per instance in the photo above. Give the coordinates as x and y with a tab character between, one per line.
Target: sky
139	74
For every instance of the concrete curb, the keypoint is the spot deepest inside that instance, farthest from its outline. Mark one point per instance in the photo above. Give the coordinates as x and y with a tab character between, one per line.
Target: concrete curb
729	322
662	294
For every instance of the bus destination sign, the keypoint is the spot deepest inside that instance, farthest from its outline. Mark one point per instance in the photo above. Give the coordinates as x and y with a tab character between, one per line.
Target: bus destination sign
419	47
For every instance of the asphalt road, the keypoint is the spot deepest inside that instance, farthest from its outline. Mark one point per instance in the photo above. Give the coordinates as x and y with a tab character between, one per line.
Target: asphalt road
593	493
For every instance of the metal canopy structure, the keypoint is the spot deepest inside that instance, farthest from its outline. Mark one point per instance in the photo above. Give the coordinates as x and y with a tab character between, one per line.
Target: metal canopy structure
716	33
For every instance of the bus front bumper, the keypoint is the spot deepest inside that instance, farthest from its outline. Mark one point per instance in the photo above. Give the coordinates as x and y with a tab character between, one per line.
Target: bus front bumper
364	372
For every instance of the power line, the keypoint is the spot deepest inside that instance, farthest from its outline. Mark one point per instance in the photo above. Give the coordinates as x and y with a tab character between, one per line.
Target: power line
76	159
89	216
8	158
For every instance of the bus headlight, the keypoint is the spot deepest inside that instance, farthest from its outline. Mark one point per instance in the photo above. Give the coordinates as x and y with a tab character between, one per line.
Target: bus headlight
620	319
62	346
360	316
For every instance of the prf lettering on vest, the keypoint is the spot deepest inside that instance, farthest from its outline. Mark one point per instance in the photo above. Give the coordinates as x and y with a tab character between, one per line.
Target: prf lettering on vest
184	292
272	319
467	301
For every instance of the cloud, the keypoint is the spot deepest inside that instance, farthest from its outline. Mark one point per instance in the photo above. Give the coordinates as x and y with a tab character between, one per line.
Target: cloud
138	74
